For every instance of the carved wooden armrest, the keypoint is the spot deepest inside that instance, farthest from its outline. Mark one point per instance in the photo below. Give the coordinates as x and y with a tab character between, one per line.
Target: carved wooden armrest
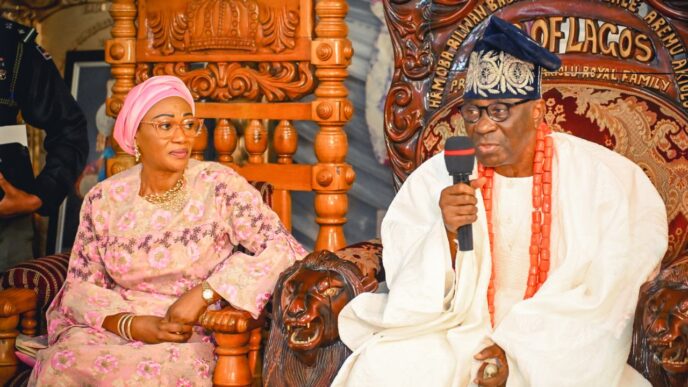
238	337
15	305
662	316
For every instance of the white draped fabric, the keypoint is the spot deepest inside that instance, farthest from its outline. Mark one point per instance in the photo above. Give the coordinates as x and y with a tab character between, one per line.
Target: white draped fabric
609	233
512	244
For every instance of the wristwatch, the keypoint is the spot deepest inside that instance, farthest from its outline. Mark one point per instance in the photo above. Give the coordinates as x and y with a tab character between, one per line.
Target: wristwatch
208	293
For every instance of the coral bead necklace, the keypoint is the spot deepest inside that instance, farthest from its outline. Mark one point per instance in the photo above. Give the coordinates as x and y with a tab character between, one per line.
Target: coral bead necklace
541	221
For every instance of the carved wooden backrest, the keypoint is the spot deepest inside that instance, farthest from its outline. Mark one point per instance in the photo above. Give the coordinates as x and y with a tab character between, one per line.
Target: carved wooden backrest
623	83
250	64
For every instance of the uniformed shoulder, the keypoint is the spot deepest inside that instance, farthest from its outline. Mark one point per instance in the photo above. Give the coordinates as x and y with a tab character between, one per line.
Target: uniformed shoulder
14	32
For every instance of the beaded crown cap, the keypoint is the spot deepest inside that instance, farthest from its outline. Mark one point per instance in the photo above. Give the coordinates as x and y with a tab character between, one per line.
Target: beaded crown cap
505	62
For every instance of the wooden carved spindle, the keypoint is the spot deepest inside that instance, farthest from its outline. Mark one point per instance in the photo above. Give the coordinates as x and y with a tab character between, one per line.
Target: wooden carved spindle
200	144
14	302
225	140
254	362
120	53
119	162
29	323
333	177
234	332
232	350
255	141
36	139
8	335
285	142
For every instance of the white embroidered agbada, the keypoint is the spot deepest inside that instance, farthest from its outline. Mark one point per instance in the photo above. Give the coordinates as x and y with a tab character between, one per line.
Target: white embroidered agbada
609	231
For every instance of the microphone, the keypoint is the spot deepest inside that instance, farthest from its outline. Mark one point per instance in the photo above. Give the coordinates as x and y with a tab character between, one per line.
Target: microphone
459	156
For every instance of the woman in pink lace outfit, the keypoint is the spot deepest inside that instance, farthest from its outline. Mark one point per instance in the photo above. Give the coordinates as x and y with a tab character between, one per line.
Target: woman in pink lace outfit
155	247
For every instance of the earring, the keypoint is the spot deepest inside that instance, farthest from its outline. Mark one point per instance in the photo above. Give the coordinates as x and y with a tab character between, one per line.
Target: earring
137	154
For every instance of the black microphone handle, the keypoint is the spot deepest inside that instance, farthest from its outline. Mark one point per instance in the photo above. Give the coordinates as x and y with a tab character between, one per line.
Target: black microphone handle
465	232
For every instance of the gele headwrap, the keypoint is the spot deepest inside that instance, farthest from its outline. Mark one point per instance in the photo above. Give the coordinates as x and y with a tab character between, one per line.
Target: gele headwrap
140	99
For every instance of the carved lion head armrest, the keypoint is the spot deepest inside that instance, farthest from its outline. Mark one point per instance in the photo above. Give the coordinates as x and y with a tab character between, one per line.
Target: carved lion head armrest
304	343
664	324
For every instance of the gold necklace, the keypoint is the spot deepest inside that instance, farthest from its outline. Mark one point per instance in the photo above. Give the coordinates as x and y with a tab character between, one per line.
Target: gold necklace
173	199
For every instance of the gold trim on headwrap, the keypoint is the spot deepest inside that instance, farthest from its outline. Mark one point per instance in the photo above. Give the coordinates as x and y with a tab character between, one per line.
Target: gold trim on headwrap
493	73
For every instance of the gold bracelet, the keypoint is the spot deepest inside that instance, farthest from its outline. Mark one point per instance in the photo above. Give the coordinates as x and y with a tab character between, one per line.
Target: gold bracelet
122	330
128	327
119	325
122	325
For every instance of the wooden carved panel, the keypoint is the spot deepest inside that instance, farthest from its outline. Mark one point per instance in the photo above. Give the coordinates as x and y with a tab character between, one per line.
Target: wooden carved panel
256	54
636	43
623	81
275	81
227	49
253	26
416	28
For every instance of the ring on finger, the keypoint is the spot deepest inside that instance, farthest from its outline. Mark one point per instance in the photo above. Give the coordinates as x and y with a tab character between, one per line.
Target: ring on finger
490	371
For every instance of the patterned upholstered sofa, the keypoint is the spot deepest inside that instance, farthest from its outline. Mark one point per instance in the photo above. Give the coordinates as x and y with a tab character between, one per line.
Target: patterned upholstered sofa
39	280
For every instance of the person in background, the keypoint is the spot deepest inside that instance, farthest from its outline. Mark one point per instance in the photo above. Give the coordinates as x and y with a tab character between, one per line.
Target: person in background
31	84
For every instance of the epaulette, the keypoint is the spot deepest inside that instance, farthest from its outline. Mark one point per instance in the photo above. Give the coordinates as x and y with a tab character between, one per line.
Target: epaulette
14	40
25	34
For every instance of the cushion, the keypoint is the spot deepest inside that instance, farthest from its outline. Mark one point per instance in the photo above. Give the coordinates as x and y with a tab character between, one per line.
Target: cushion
45	275
367	256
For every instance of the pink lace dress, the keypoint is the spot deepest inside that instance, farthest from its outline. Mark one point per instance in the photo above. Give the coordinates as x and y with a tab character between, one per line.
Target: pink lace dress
132	256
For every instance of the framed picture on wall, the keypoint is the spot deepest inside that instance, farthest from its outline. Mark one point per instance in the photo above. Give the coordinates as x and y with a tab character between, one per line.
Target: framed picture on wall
88	78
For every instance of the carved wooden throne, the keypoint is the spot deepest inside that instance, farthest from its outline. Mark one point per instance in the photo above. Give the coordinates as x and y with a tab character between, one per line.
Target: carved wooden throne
623	84
254	68
249	64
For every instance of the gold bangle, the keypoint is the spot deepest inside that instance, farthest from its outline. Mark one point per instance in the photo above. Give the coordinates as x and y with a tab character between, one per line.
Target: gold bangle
122	325
119	325
128	327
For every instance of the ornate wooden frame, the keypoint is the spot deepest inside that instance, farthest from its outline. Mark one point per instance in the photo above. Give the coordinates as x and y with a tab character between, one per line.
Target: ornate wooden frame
648	62
422	32
262	59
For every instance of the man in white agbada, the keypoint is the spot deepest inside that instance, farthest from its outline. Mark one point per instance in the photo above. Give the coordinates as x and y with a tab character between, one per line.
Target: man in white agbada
606	227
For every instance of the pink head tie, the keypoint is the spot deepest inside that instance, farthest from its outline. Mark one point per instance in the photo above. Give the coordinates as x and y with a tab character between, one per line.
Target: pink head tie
140	99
